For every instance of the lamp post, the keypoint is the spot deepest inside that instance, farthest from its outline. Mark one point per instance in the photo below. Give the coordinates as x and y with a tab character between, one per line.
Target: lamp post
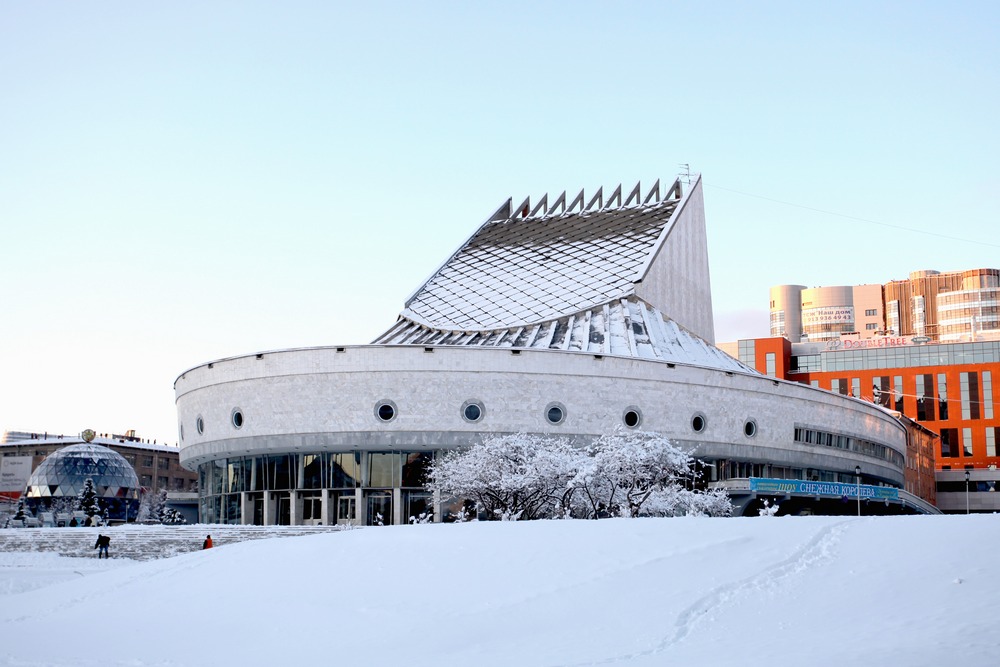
966	491
857	474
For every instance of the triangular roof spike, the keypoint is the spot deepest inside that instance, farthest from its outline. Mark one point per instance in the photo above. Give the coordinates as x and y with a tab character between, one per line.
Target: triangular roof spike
541	205
676	191
522	210
577	201
653	192
615	196
633	195
560	202
502	213
598	198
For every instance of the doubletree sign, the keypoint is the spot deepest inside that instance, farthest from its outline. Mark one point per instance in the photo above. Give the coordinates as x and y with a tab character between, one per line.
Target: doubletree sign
88	435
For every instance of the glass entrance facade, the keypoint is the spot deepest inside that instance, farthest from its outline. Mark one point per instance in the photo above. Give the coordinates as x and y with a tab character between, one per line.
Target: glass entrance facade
319	488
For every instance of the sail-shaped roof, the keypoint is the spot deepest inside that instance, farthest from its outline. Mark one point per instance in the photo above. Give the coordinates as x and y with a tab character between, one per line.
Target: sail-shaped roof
524	270
563	277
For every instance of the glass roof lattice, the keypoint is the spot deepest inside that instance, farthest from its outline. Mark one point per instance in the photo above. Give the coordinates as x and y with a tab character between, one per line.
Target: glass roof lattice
531	269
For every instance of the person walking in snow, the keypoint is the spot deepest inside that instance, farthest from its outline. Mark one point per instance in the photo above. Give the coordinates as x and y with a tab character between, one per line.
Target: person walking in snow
103	542
207	544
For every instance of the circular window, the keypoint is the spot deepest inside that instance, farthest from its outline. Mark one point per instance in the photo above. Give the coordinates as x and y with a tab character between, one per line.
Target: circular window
632	417
698	423
199	425
555	413
750	428
473	411
237	418
385	411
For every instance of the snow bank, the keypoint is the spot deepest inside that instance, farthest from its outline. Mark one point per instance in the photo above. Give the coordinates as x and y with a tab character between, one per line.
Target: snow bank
642	592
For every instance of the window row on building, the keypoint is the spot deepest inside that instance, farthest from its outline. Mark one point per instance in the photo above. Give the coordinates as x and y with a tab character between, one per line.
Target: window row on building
322	487
908	356
473	411
808	436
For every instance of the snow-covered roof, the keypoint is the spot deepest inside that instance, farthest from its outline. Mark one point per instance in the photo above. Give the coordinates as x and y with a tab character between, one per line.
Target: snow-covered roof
23	439
625	327
559	277
528	265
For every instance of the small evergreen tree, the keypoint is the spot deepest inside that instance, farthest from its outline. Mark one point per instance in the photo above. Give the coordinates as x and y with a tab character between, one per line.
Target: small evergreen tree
162	512
88	501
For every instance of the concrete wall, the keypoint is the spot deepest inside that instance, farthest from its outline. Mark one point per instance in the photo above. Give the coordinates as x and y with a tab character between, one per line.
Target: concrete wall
678	280
788	299
324	399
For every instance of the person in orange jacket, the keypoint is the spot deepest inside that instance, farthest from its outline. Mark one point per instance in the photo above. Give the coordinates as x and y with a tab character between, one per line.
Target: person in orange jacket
208	543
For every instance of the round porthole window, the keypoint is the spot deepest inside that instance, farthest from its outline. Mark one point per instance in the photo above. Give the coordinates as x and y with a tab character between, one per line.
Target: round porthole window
750	428
473	411
237	418
385	411
632	417
555	413
199	425
698	423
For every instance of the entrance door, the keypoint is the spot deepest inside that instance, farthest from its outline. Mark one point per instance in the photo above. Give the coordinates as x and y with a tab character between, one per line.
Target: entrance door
379	506
346	509
284	517
258	508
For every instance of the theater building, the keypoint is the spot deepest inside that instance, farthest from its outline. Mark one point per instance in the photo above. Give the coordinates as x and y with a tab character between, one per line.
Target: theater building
565	317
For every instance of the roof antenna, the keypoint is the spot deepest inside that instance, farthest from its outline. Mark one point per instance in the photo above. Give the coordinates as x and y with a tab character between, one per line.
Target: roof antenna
686	174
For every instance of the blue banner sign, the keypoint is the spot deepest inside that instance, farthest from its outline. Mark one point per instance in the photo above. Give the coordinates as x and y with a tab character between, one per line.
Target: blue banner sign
828	489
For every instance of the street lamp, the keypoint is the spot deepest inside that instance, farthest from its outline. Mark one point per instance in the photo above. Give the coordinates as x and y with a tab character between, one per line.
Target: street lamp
857	474
966	491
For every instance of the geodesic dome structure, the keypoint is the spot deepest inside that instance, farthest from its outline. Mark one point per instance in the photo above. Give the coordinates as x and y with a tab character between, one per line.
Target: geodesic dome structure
64	473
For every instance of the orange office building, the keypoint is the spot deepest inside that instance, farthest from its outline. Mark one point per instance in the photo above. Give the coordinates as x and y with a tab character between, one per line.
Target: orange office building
932	360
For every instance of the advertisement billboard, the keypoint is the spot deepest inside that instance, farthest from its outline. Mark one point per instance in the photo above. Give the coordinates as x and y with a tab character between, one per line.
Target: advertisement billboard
14	474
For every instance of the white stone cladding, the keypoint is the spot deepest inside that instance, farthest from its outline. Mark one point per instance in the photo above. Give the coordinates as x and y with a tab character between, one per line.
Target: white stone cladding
678	280
324	399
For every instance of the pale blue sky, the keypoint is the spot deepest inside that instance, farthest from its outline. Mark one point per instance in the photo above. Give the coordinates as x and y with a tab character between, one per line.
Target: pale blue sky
186	181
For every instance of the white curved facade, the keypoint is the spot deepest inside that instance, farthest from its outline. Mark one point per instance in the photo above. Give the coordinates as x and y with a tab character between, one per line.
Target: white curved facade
341	434
325	400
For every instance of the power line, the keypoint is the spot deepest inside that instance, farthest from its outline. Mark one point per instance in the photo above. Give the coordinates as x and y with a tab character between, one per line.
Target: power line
857	219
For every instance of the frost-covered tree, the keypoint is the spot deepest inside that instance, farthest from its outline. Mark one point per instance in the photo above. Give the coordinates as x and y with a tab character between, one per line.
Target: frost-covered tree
148	509
62	505
172	517
625	473
87	501
511	477
768	508
625	469
713	502
422	517
162	512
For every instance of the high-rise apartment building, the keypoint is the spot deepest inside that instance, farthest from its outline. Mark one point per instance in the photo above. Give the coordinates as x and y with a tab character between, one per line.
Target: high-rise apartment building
954	306
825	313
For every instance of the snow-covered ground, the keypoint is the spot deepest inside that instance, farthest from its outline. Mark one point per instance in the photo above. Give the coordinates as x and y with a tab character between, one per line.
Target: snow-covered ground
810	590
